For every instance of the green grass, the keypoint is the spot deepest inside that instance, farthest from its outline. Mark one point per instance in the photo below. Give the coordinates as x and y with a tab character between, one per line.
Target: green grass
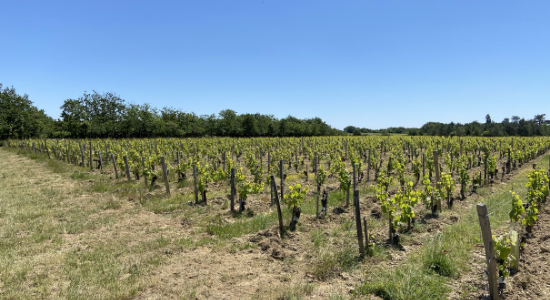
332	263
424	274
406	282
241	226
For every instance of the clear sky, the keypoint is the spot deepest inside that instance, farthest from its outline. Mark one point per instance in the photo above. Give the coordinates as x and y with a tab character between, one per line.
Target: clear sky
365	63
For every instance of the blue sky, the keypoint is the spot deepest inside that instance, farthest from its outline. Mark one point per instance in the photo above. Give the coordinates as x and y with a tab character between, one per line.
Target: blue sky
364	63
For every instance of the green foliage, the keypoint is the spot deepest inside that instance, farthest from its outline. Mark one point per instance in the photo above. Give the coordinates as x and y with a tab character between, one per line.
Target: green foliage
491	164
447	184
337	167
427	194
400	168
19	118
537	191
321	176
531	216
295	196
416	166
503	248
345	180
384	182
203	177
407	199
537	187
249	188
463	174
355	161
517	208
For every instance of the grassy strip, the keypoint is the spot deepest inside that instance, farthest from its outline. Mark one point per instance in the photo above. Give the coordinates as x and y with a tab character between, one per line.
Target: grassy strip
445	255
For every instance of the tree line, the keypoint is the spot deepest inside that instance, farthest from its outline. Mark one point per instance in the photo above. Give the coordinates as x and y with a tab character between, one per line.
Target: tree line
515	126
95	115
359	131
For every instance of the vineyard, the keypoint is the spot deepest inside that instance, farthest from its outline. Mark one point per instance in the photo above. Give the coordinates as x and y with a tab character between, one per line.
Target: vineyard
291	218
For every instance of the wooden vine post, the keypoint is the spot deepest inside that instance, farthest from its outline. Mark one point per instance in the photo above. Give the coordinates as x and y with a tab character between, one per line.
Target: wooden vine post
318	194
489	250
127	168
281	168
485	171
165	174
114	164
423	165
268	161
144	176
232	195
81	154
358	222
100	160
277	202
437	178
91	163
47	151
354	177
508	163
315	163
368	166
195	183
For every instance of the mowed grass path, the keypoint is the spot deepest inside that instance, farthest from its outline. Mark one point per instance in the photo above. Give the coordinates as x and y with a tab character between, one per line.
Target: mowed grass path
61	239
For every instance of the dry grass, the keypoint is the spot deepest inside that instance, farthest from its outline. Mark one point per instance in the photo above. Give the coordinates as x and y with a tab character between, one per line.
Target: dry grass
66	232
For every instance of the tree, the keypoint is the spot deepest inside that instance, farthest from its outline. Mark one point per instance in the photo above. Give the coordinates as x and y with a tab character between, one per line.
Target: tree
228	125
349	129
539	121
249	125
19	118
524	128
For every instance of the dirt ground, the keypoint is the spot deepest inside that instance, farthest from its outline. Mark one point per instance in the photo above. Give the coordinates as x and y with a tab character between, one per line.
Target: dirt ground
111	245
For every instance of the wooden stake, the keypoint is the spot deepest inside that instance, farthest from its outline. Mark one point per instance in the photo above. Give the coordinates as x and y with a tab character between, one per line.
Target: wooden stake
100	161
91	163
268	161
144	176
127	168
423	165
436	167
162	162
47	151
489	250
354	177
368	167
281	168
485	171
279	213
81	154
358	222
195	183
114	164
318	194
233	192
